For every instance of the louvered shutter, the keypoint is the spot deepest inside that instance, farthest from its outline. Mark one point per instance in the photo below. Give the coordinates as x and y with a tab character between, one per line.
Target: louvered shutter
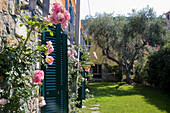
55	90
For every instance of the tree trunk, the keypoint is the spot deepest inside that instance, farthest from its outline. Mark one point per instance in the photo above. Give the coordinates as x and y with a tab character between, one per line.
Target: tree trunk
128	78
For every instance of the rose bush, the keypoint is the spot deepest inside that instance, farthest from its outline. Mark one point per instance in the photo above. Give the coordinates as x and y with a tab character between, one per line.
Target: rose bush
19	78
76	68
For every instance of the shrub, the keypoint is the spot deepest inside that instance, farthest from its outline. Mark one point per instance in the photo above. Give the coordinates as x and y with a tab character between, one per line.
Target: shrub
159	68
141	74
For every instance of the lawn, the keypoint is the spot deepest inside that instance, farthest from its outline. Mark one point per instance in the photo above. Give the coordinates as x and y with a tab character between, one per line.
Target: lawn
121	98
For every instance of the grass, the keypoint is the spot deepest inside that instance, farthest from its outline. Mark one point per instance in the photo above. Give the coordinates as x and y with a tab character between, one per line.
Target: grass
120	98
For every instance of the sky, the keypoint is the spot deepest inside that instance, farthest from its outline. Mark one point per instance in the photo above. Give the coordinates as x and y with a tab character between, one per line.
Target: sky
122	7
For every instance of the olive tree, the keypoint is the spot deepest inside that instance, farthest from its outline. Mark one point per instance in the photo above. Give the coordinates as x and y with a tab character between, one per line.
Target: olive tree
122	39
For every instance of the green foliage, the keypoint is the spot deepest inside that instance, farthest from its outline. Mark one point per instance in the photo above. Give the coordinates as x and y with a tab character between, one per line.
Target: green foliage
17	61
159	68
141	74
116	71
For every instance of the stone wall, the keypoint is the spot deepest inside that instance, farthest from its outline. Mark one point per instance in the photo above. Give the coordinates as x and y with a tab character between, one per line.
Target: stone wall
7	22
10	25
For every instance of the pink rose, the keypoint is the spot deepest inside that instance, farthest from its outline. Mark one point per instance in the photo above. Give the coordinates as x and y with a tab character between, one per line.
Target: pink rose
87	69
67	15
37	79
68	52
50	49
38	76
64	24
74	52
41	98
49	46
3	101
75	64
83	79
72	57
39	73
51	19
49	60
49	43
56	8
62	9
81	68
60	17
42	102
157	47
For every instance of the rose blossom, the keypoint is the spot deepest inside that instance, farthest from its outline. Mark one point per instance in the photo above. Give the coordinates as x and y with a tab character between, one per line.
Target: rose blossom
42	102
67	15
3	101
49	60
75	64
38	76
83	79
72	57
59	15
68	52
60	18
37	79
87	69
64	24
56	8
39	73
50	50
51	19
49	43
74	52
49	46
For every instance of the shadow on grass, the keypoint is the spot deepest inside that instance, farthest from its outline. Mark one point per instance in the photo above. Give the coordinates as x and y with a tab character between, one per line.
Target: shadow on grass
153	96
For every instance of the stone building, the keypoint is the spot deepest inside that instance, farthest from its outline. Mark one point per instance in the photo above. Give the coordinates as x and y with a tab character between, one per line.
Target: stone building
168	18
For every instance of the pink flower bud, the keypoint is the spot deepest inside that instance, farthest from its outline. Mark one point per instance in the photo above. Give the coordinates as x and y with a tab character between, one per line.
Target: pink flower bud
87	69
3	101
72	57
68	52
49	46
42	102
75	64
74	52
49	60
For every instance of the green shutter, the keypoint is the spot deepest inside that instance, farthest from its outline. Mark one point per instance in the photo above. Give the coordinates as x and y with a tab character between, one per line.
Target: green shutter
83	85
54	88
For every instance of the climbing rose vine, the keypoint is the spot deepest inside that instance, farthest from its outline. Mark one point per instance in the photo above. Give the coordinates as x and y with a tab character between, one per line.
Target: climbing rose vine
20	76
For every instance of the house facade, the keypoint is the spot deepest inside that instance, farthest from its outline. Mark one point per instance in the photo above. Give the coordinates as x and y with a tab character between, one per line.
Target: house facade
10	24
168	18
